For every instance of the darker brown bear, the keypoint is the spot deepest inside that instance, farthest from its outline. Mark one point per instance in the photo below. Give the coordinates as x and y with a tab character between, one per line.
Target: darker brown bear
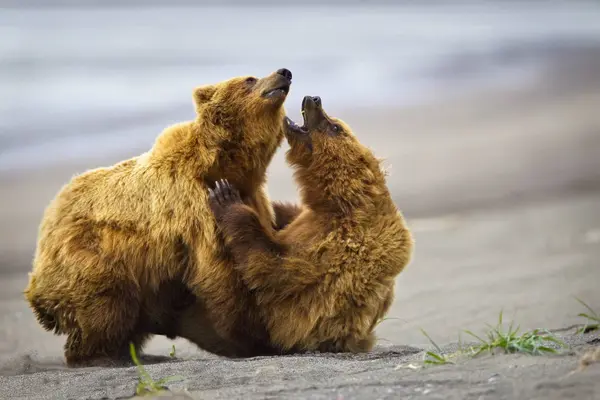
325	280
131	250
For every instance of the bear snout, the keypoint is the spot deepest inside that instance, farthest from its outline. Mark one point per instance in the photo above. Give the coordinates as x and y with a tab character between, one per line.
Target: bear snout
286	73
311	102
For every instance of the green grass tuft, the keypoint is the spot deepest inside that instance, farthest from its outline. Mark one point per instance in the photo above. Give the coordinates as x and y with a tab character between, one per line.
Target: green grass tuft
435	357
535	342
593	319
146	385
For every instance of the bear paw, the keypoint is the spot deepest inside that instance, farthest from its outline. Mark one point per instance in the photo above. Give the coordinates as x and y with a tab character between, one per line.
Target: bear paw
222	197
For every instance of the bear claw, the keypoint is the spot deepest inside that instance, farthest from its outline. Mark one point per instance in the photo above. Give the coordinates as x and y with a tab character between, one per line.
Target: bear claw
222	196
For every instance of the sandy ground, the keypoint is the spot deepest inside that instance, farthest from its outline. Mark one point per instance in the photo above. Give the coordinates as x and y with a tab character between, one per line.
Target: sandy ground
502	190
386	373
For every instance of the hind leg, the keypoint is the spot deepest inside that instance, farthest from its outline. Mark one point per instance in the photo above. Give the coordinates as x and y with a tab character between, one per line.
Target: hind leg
106	322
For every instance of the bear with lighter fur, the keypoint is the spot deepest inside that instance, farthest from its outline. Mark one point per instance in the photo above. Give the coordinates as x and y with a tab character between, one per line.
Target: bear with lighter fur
131	250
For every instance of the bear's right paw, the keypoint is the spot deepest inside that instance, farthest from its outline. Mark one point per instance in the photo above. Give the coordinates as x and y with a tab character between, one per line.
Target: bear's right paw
222	197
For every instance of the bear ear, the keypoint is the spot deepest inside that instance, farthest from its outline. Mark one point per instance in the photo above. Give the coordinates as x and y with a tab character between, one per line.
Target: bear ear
203	94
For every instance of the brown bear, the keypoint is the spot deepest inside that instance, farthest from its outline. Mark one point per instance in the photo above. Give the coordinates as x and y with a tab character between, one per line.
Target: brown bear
131	250
325	280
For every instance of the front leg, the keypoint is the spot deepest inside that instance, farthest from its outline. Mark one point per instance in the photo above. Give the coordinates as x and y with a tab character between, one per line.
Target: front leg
240	224
262	260
221	198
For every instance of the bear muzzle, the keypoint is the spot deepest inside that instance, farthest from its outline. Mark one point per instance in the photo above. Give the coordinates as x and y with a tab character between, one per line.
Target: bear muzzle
277	85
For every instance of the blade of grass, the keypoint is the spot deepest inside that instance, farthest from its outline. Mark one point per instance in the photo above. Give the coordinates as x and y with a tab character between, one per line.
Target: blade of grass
141	370
476	337
431	340
583	303
434	355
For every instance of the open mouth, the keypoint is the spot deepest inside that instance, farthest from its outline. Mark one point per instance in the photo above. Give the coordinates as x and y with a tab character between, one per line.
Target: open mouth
282	90
294	128
311	107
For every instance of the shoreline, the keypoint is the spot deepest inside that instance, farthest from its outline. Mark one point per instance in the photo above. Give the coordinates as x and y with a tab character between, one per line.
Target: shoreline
131	129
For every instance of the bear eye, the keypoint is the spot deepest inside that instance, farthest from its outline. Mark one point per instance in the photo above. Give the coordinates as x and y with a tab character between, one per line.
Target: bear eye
251	81
336	128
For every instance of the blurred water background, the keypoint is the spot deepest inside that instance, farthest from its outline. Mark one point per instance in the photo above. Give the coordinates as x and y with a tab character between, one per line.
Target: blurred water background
82	79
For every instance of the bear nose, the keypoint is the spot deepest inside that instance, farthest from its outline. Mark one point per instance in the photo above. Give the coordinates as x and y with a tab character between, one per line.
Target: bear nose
317	100
286	73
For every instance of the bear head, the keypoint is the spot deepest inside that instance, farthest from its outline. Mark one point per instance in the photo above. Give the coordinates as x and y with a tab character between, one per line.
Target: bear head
334	170
244	117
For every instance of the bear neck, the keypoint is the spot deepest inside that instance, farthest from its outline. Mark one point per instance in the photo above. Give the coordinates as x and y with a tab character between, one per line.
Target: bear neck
336	205
244	164
322	191
191	151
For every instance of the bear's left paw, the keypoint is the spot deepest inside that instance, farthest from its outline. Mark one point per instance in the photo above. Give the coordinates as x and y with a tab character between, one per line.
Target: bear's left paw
222	197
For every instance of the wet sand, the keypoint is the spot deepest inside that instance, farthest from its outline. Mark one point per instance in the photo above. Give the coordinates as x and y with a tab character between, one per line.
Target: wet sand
502	190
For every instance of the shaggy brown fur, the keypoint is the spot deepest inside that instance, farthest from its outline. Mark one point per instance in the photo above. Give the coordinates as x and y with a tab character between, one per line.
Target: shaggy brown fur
124	250
325	280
